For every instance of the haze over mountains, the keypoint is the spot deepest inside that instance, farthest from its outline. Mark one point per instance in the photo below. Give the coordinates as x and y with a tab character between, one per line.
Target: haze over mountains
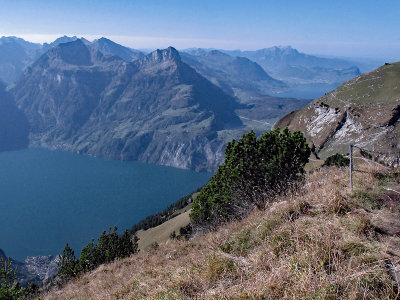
307	75
166	107
235	75
288	64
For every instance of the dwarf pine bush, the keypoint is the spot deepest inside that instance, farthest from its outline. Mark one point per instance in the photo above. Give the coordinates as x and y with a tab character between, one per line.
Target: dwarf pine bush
253	169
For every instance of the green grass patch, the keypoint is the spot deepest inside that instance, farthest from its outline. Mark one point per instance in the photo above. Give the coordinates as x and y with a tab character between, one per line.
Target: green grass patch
240	244
353	248
369	200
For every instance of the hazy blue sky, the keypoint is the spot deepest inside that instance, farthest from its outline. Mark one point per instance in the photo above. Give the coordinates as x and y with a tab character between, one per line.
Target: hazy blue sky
368	28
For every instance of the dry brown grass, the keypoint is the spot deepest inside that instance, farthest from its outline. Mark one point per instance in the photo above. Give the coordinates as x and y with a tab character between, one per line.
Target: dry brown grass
322	242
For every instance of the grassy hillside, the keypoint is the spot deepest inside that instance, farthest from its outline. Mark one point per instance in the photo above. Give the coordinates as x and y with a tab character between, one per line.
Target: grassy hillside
381	86
162	233
321	242
364	111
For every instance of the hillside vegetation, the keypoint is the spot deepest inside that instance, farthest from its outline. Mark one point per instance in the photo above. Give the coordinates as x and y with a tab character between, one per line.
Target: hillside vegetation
322	241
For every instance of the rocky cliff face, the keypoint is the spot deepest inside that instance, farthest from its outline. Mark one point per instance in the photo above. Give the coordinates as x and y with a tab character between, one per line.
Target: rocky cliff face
156	109
364	111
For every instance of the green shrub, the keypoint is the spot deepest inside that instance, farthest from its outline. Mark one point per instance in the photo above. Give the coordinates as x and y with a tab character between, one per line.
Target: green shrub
337	160
368	200
253	170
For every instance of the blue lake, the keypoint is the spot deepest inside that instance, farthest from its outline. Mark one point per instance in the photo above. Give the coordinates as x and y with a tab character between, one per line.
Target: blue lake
48	198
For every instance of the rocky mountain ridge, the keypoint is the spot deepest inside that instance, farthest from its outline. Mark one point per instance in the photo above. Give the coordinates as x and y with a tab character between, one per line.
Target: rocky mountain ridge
364	111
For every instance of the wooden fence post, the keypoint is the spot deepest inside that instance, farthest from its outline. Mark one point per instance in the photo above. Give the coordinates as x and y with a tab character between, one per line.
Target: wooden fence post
351	167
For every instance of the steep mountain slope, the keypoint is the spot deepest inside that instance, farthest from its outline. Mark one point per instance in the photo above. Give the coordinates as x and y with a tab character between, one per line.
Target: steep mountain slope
15	55
236	75
14	127
364	111
156	109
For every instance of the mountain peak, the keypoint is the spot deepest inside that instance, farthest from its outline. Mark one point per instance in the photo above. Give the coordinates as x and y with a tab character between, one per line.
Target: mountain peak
61	40
109	47
166	54
105	40
280	50
74	53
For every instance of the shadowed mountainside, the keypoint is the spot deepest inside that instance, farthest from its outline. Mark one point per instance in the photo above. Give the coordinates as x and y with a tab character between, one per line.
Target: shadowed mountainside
14	127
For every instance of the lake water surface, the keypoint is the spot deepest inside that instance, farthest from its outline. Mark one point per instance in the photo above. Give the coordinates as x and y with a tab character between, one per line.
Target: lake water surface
48	198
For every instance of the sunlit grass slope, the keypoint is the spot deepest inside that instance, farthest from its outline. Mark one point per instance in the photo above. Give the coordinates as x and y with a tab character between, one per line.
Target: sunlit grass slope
321	242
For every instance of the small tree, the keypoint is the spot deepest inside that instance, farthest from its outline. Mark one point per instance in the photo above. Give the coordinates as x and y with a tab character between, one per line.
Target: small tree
10	289
107	246
127	245
67	264
88	259
102	248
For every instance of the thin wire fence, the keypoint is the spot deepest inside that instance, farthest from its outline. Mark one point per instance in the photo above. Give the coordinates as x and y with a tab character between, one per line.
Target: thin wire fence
389	161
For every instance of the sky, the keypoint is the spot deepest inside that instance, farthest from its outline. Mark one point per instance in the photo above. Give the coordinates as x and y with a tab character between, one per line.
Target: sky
363	28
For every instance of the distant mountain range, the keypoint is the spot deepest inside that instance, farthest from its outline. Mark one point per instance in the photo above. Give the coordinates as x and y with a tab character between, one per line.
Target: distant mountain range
107	100
286	63
307	76
364	111
165	107
274	71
